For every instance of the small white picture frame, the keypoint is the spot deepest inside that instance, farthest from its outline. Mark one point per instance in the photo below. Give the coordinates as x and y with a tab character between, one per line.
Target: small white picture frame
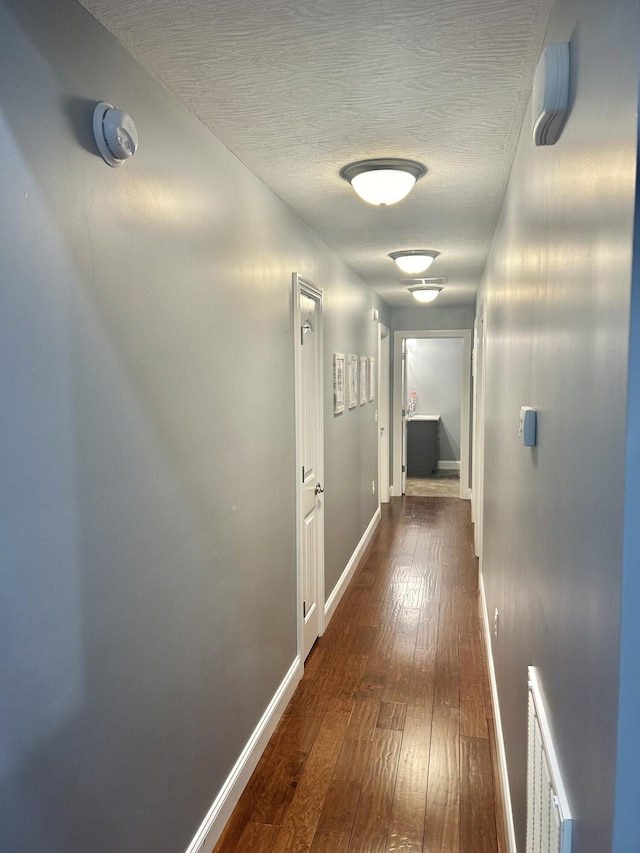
353	380
364	379
339	367
372	378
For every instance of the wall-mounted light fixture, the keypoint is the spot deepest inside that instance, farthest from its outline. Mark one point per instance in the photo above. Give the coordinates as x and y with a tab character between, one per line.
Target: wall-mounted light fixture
115	133
414	261
425	289
384	180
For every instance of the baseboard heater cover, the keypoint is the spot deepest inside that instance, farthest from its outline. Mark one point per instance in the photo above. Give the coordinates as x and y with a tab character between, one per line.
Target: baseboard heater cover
549	822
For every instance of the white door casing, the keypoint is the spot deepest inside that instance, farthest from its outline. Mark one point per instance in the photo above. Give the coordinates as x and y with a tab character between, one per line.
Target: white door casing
384	458
398	426
309	462
403	424
478	431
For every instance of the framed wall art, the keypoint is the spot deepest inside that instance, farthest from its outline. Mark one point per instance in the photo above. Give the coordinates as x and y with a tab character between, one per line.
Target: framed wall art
338	382
364	379
352	379
372	378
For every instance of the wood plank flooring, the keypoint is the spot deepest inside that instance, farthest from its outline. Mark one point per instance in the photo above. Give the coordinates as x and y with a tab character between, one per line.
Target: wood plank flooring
387	745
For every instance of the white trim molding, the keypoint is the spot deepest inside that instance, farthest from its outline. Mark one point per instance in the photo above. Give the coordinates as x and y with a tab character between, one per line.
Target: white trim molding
345	577
502	756
211	828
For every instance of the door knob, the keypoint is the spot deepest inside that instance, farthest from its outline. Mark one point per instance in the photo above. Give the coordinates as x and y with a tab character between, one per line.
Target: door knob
319	490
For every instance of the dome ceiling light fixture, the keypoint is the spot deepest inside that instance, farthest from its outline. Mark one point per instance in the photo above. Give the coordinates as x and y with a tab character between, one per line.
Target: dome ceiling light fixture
383	180
414	261
426	289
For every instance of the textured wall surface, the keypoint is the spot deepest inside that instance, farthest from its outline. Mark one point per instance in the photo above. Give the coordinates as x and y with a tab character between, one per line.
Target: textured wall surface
299	88
148	523
557	290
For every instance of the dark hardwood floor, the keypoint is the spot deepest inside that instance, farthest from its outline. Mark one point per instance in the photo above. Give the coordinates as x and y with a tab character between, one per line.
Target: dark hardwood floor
388	743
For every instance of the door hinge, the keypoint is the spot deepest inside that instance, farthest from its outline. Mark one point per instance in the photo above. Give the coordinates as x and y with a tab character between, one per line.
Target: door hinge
403	469
303	473
304	608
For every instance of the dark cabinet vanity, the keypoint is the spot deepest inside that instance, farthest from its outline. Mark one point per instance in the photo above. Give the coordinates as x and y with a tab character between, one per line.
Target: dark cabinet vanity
422	435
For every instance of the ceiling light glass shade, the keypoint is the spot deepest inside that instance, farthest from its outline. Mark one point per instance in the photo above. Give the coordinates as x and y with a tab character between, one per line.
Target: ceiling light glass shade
383	181
384	186
426	289
425	294
414	261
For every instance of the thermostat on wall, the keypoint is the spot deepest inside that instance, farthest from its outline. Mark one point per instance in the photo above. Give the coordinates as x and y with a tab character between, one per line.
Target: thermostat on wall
527	431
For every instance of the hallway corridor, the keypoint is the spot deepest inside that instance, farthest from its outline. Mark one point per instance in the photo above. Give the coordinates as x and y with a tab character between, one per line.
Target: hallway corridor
388	743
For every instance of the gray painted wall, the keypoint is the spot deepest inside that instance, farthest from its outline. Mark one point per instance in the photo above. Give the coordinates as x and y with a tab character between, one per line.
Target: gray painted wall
148	525
351	437
432	317
557	289
434	372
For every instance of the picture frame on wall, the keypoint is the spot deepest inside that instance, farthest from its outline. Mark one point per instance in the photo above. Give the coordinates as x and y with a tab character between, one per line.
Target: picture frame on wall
364	379
352	379
372	378
339	367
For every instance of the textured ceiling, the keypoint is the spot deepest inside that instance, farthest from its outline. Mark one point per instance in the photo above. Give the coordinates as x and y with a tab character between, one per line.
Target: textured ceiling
299	88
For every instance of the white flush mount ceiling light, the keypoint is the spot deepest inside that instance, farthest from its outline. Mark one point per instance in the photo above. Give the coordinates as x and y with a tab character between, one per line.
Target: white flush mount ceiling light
385	180
550	97
414	261
426	289
425	294
115	133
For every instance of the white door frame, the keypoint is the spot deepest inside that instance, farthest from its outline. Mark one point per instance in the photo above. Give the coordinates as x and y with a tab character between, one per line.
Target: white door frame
398	338
301	285
477	499
384	363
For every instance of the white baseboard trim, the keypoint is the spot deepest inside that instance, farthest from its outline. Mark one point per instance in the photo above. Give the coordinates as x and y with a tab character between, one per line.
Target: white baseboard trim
345	577
448	465
504	775
220	812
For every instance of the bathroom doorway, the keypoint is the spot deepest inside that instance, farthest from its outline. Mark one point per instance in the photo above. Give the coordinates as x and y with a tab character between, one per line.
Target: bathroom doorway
431	413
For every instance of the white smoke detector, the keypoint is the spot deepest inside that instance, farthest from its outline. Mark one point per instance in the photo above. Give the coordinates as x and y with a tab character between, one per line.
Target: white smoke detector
550	96
115	133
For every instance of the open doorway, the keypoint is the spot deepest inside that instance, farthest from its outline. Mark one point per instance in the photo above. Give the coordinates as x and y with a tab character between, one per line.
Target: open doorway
431	413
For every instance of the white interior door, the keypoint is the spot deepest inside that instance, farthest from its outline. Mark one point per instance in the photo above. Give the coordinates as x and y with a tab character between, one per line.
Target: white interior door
308	333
